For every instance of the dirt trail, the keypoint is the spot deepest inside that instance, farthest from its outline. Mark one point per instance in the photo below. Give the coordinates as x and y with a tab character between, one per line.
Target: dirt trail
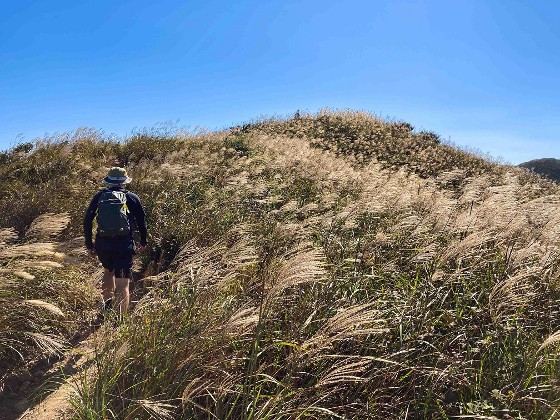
57	404
43	392
48	397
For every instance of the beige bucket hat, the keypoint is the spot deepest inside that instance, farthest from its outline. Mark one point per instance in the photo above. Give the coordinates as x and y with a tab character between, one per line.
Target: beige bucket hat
117	176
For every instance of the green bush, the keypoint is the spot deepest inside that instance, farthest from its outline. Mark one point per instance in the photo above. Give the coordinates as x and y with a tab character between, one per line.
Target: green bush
239	144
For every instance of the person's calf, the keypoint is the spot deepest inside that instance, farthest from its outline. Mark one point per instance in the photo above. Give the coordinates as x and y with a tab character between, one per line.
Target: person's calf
122	295
108	284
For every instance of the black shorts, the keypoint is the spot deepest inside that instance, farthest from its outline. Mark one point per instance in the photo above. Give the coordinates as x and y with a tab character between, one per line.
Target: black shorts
119	261
116	259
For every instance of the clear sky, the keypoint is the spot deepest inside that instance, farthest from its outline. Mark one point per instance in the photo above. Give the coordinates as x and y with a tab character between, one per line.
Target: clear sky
481	73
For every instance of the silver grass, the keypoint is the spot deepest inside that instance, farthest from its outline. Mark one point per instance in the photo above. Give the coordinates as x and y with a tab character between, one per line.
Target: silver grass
7	236
242	321
551	340
343	372
49	344
47	226
18	273
304	267
32	250
45	305
508	296
159	410
40	264
348	323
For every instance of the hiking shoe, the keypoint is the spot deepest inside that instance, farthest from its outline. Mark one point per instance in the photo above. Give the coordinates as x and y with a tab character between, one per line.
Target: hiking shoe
98	321
106	311
107	305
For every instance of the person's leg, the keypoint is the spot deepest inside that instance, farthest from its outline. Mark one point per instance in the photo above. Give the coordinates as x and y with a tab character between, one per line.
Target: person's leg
123	274
108	285
122	295
108	280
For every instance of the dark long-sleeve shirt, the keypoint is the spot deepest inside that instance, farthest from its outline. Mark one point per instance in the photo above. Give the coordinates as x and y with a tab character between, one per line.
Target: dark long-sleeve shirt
136	214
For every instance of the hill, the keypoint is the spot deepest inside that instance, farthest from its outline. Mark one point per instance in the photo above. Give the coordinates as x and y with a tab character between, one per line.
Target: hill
326	266
546	167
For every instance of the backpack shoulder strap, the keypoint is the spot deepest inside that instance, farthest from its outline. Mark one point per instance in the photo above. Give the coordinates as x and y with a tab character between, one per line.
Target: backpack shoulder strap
101	192
126	193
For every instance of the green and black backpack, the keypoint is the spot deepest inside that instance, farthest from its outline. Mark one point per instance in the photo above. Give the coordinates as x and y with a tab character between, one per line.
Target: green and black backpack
112	214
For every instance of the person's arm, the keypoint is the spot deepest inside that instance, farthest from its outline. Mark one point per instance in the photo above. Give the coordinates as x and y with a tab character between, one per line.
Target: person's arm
91	212
137	211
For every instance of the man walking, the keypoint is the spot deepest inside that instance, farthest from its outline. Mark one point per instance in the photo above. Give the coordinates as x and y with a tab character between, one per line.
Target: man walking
116	210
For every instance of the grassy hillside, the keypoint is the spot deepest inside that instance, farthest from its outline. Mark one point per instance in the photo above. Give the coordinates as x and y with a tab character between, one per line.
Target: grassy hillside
323	266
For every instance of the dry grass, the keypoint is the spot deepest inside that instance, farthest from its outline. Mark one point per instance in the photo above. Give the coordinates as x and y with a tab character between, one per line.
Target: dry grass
320	266
44	302
47	226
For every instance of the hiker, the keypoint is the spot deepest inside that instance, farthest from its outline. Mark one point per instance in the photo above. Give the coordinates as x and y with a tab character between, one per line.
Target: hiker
116	209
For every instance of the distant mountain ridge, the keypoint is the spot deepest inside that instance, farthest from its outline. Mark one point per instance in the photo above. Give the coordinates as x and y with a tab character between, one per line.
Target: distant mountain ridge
546	167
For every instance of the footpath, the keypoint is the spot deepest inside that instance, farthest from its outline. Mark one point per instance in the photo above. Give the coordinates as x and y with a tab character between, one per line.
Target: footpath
44	391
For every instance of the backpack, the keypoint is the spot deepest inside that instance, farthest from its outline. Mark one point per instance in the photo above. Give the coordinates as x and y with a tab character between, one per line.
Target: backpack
112	214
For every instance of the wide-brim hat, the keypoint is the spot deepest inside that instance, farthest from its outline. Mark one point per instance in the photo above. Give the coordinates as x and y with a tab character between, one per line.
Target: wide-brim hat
117	176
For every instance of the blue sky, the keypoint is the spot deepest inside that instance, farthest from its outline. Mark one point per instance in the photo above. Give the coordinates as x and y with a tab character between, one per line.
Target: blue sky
483	74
